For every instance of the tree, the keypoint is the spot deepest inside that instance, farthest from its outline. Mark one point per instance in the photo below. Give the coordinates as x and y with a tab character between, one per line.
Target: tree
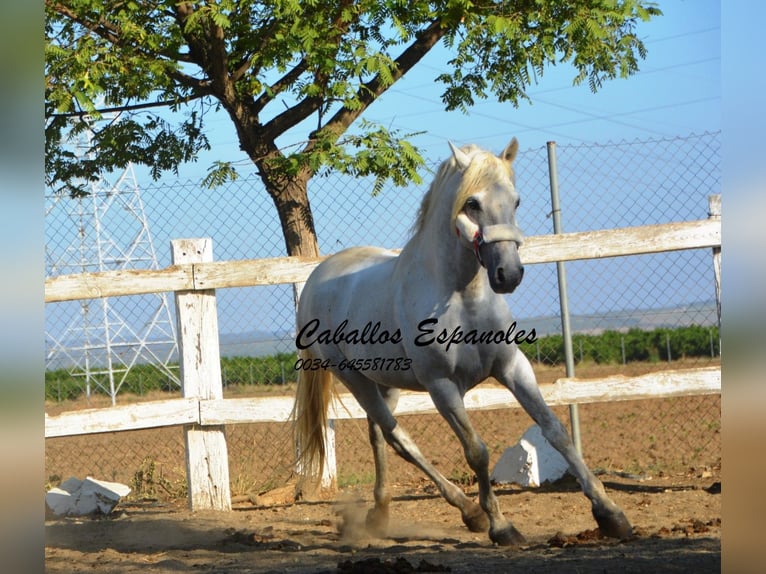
314	65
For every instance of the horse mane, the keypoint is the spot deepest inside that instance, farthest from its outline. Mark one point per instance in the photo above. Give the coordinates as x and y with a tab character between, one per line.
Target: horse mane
478	171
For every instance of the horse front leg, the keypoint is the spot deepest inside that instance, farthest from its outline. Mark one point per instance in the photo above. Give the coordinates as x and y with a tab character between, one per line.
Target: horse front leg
520	379
449	402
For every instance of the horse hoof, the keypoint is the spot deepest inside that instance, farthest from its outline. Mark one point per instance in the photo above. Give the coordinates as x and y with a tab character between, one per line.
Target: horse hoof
376	522
613	524
475	519
507	536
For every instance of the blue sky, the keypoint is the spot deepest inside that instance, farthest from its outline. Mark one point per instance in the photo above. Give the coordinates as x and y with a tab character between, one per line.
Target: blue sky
677	91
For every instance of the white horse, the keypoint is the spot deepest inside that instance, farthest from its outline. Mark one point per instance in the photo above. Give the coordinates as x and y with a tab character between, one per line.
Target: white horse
431	319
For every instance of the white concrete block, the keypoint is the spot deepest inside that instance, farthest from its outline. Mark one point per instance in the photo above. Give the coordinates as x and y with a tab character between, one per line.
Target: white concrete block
105	495
514	466
59	501
81	497
530	462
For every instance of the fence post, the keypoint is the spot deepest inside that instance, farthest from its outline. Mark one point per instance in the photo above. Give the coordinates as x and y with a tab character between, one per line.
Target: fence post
207	465
714	212
566	330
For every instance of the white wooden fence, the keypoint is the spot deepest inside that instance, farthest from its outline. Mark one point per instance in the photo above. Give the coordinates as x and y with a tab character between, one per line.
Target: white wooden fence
203	411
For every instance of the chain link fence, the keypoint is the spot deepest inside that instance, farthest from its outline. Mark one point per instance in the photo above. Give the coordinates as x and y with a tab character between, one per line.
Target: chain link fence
629	315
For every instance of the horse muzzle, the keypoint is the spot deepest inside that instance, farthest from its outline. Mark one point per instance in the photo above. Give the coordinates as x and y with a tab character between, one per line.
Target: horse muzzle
504	268
497	248
500	255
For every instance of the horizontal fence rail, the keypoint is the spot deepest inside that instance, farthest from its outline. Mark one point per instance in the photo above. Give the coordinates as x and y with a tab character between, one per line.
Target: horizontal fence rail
281	270
184	411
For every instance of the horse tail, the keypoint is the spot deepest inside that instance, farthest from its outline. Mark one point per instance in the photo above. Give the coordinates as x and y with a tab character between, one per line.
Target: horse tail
313	394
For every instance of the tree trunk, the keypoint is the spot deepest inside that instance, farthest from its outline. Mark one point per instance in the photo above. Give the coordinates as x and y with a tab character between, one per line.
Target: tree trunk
292	203
290	196
288	191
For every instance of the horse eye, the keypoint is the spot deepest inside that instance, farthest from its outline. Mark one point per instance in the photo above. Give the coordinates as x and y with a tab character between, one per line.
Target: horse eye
473	204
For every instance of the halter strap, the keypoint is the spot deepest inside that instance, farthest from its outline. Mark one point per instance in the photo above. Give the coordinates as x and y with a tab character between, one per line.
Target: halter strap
501	232
490	234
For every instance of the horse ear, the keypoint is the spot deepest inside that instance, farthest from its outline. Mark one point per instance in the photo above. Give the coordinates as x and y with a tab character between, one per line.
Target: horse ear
509	154
460	156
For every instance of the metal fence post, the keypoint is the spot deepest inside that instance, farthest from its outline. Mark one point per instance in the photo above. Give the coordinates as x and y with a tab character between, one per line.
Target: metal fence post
566	329
714	212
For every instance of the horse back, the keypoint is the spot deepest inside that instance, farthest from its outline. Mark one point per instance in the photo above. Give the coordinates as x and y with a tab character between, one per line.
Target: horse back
347	284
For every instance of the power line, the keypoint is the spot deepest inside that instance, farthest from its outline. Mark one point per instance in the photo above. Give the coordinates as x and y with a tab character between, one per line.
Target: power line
611	117
534	95
683	35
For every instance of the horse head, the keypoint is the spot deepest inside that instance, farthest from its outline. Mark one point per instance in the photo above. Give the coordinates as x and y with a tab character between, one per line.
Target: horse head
484	214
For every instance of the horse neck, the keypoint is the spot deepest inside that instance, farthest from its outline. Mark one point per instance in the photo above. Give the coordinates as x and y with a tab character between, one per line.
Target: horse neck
446	258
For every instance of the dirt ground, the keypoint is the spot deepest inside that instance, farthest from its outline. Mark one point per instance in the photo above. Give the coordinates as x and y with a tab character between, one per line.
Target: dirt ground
660	461
677	528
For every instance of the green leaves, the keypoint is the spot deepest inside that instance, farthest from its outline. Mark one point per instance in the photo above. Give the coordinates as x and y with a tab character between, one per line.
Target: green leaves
315	65
380	153
375	151
506	48
219	173
79	152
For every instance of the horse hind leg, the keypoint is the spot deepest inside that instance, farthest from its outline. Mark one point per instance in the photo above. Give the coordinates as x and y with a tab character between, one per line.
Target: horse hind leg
473	514
611	520
378	516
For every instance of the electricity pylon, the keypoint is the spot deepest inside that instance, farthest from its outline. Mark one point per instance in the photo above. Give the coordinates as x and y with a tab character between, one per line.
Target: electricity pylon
100	340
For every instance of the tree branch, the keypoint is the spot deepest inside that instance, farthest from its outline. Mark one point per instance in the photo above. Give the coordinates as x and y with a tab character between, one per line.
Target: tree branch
101	28
209	52
130	108
293	116
110	32
370	91
264	32
241	69
280	85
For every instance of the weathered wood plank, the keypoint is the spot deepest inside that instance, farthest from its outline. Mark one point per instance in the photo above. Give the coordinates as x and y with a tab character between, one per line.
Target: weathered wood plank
277	409
246	410
621	242
714	212
115	283
207	461
250	272
197	318
569	391
281	270
563	392
123	418
663	384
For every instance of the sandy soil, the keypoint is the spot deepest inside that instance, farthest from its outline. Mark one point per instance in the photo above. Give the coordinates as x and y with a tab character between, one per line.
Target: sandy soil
661	460
677	524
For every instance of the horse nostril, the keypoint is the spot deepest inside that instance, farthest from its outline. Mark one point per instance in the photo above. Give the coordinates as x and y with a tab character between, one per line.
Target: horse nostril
521	272
500	274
